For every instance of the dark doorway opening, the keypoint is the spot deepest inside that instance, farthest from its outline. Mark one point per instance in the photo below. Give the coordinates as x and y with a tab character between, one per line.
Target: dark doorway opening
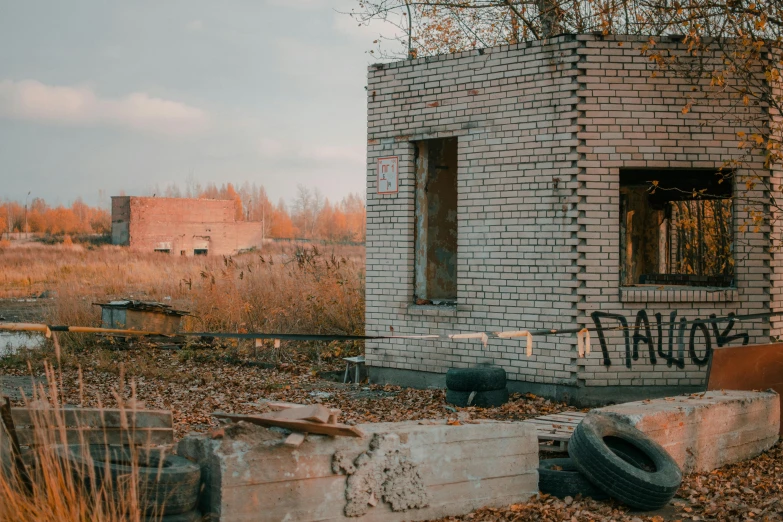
435	231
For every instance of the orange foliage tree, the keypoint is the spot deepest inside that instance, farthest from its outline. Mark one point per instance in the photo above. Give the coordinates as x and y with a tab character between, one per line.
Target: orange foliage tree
39	218
313	217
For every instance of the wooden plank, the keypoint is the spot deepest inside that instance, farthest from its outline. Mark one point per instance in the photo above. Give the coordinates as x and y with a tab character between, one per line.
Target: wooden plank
551	434
312	413
563	418
335	430
280	405
557	425
542	429
94	417
560	447
145	436
575	414
548	435
551	429
294	440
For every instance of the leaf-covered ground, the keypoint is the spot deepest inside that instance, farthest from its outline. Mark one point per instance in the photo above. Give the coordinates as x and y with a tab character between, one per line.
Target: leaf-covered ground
194	386
751	490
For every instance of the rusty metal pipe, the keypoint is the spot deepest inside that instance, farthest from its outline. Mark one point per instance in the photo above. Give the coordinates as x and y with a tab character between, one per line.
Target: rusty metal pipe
42	328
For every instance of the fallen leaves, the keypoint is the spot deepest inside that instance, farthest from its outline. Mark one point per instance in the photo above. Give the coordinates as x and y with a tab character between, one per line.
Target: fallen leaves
193	389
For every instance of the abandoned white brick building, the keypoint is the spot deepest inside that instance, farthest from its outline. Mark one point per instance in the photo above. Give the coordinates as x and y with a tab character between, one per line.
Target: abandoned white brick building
521	201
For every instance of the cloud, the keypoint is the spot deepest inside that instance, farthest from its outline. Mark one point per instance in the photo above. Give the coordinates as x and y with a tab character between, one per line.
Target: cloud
271	148
338	154
80	106
195	25
319	154
300	4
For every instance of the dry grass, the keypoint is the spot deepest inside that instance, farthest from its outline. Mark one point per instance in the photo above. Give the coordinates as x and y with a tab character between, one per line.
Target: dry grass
288	288
54	489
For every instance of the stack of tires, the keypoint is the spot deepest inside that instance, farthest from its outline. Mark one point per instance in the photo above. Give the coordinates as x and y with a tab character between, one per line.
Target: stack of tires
483	386
168	485
608	458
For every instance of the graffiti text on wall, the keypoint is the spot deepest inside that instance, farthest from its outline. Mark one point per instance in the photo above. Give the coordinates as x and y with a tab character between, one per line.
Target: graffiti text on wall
642	334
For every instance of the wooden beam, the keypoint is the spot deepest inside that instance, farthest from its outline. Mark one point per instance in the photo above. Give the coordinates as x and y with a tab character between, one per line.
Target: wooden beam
313	413
334	430
280	405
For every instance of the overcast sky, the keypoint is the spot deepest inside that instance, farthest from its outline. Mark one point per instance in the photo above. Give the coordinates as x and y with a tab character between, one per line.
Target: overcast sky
110	95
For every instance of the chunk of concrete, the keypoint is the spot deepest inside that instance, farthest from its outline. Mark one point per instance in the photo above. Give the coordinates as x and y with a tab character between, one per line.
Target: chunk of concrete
414	470
704	431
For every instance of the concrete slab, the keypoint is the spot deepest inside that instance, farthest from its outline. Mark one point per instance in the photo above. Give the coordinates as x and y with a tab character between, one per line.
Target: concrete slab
704	431
401	471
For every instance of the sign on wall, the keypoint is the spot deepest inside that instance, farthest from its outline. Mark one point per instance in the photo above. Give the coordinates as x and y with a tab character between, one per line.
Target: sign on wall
387	175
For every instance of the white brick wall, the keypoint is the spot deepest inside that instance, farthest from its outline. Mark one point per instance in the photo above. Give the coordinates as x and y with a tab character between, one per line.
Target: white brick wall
542	128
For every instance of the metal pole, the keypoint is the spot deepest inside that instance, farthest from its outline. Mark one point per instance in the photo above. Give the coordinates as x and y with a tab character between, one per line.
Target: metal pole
26	229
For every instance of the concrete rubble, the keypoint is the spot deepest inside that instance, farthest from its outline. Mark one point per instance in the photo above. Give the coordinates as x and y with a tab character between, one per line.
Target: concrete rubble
704	431
414	470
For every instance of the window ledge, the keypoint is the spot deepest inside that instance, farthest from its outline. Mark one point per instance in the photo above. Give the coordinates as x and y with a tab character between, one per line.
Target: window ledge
677	294
433	310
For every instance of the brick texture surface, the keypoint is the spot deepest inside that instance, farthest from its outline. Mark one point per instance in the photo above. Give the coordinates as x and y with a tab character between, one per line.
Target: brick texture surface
543	129
181	225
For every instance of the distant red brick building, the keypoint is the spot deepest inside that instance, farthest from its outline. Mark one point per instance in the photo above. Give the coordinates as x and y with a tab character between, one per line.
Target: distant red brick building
181	226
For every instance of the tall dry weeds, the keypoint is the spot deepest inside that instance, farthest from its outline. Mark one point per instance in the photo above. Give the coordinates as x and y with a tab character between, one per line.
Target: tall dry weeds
55	489
290	288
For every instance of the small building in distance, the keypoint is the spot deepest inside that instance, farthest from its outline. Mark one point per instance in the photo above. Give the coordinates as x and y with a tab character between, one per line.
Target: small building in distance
181	226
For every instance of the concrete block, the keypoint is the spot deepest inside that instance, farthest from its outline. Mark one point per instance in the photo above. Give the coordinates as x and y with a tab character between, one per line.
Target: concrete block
704	431
414	470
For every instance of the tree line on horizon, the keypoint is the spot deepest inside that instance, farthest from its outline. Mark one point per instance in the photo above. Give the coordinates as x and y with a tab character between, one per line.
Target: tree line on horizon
309	216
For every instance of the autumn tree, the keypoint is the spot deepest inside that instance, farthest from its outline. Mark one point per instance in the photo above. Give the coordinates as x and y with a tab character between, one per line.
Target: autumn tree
280	224
3	220
78	218
307	208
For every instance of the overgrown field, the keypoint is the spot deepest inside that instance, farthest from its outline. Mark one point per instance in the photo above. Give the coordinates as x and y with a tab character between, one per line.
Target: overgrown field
291	288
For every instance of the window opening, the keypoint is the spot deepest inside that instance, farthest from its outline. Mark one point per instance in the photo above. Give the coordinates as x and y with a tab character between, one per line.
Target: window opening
200	252
163	250
435	278
676	227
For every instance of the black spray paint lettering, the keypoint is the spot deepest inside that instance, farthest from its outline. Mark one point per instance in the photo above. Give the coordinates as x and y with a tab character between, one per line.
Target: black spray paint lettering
642	333
597	316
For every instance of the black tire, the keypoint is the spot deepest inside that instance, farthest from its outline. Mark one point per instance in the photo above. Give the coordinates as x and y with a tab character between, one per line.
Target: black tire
621	479
629	453
566	481
479	379
190	516
168	487
486	399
